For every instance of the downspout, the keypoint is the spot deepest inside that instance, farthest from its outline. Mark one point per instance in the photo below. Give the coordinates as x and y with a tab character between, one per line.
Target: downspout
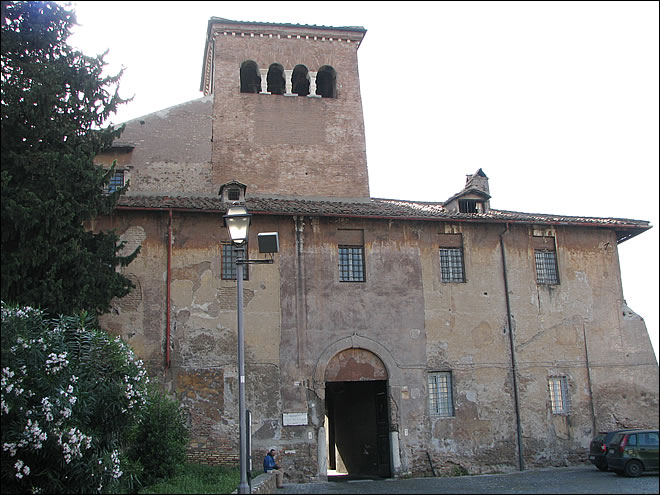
521	463
301	313
591	394
169	289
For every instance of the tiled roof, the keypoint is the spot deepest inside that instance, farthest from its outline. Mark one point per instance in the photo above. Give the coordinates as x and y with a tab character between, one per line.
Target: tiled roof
372	208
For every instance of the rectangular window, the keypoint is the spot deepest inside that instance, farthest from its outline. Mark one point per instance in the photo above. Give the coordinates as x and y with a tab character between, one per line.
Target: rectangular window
648	439
558	388
470	206
229	263
116	181
441	401
351	264
233	194
546	267
451	265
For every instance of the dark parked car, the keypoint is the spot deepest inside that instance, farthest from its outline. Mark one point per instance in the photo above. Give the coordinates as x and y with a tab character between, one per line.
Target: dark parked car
598	447
633	452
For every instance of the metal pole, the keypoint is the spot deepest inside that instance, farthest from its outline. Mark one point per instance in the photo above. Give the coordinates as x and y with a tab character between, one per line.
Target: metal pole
516	399
243	486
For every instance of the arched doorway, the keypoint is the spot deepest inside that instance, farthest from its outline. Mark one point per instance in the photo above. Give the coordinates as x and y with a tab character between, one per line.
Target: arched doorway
357	414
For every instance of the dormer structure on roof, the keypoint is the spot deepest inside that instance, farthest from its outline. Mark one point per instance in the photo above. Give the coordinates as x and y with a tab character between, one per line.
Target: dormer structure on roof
474	198
232	192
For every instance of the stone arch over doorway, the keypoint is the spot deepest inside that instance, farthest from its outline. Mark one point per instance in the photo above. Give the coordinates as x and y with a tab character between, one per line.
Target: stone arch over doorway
355	364
352	377
392	370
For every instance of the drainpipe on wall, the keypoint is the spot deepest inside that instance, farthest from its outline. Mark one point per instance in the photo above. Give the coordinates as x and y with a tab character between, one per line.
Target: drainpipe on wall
169	289
301	310
591	394
521	463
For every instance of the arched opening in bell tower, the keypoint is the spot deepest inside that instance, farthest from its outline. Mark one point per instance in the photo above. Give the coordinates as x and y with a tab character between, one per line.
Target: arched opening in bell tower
250	78
300	80
326	82
357	416
275	79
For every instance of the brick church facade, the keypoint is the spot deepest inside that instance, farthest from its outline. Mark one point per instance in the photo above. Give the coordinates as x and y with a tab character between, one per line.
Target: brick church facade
389	337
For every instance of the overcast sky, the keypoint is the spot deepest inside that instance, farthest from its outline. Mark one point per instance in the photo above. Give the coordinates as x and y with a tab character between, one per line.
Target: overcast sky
557	102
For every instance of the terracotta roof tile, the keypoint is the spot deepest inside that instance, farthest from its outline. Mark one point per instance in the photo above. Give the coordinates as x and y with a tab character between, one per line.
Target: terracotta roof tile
370	207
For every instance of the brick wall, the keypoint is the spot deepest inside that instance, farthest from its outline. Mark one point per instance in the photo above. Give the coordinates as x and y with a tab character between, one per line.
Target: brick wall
290	145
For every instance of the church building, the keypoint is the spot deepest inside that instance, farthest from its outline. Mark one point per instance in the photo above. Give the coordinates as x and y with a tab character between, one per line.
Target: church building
388	337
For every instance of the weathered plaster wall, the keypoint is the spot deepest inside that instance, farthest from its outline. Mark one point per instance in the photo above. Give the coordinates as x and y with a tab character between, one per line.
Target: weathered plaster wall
558	329
298	316
466	331
140	317
384	314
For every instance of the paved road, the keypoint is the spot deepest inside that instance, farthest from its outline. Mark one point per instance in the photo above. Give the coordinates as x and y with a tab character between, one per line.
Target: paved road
581	479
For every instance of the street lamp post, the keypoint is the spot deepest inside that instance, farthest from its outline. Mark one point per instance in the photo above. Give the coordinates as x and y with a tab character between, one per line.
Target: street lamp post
237	221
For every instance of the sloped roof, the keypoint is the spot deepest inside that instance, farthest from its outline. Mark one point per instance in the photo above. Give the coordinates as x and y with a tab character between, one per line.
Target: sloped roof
374	208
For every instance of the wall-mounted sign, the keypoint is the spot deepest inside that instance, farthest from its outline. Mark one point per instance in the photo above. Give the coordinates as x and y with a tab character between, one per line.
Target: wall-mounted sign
294	419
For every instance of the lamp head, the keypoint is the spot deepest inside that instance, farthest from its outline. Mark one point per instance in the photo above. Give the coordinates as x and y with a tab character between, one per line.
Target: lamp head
237	221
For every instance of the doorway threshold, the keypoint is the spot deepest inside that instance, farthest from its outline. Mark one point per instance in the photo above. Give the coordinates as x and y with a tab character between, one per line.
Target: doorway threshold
347	477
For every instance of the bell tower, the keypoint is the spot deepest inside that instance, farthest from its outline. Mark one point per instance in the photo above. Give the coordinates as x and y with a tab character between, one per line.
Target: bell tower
287	110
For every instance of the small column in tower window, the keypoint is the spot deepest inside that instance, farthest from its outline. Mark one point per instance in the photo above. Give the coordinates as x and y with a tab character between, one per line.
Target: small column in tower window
288	83
312	86
264	82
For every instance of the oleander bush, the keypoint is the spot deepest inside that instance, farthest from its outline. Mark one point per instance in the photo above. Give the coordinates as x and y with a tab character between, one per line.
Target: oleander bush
160	438
73	400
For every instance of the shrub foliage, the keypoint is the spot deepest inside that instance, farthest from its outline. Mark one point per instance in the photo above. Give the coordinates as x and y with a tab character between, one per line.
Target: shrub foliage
160	438
78	412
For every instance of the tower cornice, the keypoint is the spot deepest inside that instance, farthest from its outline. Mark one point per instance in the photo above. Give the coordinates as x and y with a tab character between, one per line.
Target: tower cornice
218	26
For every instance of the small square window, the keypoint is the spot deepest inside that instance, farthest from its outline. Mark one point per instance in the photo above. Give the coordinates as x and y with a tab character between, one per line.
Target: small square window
233	194
116	182
229	263
470	206
546	267
451	265
441	402
351	264
558	388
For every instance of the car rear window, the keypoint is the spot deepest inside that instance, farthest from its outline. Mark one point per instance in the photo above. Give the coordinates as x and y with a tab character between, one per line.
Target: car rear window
610	436
617	438
599	438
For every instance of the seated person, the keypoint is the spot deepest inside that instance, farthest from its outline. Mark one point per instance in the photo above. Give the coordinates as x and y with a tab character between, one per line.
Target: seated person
270	466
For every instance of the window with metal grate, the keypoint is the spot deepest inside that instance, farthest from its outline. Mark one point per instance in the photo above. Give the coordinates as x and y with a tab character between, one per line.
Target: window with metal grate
441	401
351	264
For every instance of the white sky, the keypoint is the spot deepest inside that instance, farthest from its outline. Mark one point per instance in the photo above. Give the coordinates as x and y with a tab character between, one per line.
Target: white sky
556	101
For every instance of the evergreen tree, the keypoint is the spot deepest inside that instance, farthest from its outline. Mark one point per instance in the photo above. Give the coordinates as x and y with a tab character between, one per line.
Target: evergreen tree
54	103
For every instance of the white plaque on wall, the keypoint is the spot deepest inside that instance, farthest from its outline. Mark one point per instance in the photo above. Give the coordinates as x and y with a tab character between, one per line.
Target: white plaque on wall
293	419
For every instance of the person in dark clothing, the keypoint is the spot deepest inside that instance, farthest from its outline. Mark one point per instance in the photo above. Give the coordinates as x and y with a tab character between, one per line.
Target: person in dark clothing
270	466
